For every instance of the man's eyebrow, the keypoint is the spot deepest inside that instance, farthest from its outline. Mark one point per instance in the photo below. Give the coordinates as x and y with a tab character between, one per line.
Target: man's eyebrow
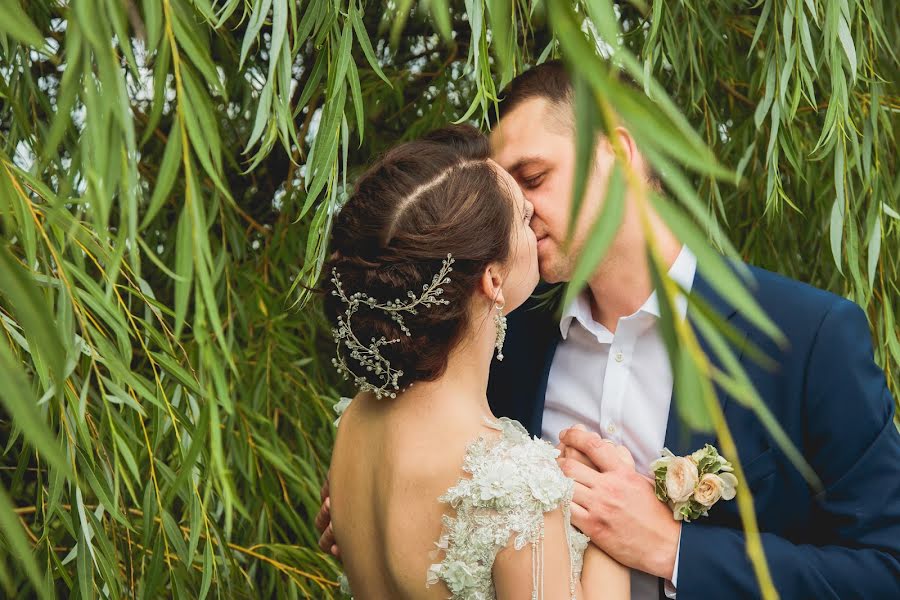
524	162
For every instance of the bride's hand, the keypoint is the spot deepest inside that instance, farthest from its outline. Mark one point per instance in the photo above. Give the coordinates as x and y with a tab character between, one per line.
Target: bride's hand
574	454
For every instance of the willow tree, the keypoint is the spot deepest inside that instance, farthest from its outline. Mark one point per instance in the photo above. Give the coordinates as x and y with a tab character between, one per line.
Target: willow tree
169	170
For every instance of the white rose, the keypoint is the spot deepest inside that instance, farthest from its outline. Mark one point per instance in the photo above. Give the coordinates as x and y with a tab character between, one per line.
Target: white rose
710	490
729	482
681	479
665	458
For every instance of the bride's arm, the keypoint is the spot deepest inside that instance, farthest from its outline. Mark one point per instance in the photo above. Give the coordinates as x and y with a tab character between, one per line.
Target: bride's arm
603	578
515	576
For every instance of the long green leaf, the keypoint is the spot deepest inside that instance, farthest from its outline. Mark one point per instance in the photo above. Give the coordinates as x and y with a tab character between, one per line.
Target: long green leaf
30	307
14	22
601	235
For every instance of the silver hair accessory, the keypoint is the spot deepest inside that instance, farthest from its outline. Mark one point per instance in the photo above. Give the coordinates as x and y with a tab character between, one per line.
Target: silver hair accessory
369	356
500	321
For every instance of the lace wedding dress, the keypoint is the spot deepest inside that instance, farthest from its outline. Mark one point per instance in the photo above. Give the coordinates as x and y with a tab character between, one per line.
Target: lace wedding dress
513	480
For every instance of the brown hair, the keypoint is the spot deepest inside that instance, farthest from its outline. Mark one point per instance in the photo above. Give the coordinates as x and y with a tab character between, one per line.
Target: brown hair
548	80
420	202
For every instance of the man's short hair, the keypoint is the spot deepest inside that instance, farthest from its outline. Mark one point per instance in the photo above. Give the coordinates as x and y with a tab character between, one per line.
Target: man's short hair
549	80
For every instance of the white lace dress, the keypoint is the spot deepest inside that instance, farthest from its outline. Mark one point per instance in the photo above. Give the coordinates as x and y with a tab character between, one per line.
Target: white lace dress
513	480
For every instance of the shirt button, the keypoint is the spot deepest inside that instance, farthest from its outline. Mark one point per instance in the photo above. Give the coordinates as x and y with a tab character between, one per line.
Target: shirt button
610	428
619	357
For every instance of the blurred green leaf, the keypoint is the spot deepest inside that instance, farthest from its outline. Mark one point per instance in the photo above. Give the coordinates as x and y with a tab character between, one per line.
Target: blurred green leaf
848	45
440	12
18	544
601	235
401	14
715	269
21	406
257	19
30	308
587	128
168	172
874	249
15	23
837	233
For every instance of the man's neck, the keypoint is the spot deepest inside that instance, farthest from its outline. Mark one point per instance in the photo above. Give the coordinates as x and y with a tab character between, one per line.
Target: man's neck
622	283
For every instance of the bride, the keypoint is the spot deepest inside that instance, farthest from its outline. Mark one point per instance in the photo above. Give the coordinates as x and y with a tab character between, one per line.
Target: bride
431	495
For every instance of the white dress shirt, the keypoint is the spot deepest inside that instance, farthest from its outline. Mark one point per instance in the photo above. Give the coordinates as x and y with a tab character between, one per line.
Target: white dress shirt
617	384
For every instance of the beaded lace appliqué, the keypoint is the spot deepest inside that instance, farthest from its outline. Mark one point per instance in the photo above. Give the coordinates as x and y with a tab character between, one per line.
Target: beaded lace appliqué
514	481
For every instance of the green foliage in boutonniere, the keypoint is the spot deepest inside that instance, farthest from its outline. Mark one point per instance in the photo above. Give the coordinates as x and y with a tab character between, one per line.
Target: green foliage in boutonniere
691	485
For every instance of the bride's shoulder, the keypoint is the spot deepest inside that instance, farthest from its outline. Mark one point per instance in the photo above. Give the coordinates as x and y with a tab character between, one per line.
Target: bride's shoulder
508	467
510	440
511	482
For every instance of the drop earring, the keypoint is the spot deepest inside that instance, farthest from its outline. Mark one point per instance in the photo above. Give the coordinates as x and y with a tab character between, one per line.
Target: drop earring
500	322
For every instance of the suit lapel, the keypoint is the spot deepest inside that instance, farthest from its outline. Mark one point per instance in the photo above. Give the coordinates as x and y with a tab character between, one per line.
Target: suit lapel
518	385
537	417
680	438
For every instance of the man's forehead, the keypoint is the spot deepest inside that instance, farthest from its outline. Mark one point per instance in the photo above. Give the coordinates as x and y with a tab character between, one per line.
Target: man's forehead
522	135
516	150
510	145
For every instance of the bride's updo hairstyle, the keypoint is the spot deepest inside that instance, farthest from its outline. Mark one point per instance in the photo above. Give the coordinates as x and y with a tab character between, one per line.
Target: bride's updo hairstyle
421	201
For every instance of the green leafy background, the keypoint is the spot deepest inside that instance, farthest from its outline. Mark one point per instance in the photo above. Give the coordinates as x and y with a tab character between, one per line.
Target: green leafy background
168	173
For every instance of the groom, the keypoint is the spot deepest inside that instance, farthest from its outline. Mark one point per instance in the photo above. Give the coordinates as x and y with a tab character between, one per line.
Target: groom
604	365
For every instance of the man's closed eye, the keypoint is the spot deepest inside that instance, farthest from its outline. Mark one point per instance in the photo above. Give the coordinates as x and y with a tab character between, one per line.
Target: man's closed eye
532	182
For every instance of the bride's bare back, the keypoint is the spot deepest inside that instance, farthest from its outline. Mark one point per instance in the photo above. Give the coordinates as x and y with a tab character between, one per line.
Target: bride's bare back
510	537
387	472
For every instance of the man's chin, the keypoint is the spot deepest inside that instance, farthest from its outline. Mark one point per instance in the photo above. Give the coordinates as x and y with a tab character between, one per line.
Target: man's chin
552	266
551	275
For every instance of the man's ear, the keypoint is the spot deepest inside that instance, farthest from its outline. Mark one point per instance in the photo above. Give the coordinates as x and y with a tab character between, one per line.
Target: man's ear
629	148
492	284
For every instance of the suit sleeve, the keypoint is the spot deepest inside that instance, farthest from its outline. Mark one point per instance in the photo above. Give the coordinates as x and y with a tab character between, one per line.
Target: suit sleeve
853	444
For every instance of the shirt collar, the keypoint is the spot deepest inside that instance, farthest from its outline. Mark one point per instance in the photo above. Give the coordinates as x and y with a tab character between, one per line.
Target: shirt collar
681	272
580	310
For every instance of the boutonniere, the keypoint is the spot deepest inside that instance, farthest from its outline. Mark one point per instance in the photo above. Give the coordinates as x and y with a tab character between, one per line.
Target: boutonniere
690	485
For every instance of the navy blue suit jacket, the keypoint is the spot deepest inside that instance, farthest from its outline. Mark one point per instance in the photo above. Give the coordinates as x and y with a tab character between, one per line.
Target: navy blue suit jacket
832	401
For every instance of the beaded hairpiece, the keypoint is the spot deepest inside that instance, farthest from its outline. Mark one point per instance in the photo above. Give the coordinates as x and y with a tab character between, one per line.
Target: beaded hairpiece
369	356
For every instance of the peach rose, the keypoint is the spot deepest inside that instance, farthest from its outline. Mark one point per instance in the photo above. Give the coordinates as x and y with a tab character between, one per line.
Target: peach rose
681	479
710	490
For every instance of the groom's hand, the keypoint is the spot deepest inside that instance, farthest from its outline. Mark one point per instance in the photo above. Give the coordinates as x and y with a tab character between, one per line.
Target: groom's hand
617	507
323	523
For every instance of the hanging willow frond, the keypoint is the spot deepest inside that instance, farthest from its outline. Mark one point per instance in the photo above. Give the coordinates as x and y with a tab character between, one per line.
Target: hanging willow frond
169	171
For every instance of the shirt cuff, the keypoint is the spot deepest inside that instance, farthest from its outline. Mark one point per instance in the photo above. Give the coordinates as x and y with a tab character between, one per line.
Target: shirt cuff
671	586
